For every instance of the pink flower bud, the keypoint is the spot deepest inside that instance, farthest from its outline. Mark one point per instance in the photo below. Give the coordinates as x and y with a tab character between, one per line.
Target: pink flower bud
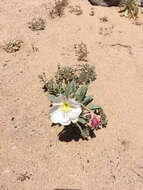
94	121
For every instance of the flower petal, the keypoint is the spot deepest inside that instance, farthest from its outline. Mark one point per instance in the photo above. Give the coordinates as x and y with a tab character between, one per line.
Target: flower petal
53	108
95	121
73	102
66	123
74	120
74	113
58	99
59	117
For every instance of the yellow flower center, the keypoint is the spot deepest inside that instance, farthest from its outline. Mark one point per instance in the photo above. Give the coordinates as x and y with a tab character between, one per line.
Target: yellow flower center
65	107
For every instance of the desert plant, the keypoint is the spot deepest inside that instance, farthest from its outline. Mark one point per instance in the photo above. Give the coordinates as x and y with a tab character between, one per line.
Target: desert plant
104	19
70	104
81	51
130	8
37	24
58	9
75	9
12	46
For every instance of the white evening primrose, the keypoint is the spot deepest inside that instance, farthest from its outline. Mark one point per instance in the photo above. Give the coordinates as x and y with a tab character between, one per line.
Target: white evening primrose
64	111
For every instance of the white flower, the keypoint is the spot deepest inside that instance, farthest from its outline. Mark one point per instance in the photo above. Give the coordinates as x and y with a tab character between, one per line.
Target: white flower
64	111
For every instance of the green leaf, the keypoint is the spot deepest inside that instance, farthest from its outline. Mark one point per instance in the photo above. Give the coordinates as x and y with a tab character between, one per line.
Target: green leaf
81	131
104	123
87	100
81	93
126	12
51	97
58	89
103	116
82	120
71	88
93	107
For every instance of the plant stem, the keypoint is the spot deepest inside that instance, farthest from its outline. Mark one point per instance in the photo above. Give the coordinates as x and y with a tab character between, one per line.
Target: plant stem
89	111
79	128
81	131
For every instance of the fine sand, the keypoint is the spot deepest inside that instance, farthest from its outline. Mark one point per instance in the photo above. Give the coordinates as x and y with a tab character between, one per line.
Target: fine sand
32	157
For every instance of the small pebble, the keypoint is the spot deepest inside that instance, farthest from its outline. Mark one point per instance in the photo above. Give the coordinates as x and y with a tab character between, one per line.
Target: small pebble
4	65
92	12
13	118
15	126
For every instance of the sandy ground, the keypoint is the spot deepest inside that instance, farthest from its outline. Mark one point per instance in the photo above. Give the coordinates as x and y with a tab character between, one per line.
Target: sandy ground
31	155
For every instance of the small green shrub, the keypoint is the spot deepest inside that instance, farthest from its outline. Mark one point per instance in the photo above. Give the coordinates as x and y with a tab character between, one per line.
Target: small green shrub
130	8
58	9
70	104
81	51
76	10
104	19
37	24
12	46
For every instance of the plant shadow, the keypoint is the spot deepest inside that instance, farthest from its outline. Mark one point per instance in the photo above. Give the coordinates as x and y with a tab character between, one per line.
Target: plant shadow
70	133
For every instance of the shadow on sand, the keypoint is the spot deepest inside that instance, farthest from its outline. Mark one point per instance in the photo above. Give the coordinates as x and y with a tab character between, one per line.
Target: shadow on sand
70	133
